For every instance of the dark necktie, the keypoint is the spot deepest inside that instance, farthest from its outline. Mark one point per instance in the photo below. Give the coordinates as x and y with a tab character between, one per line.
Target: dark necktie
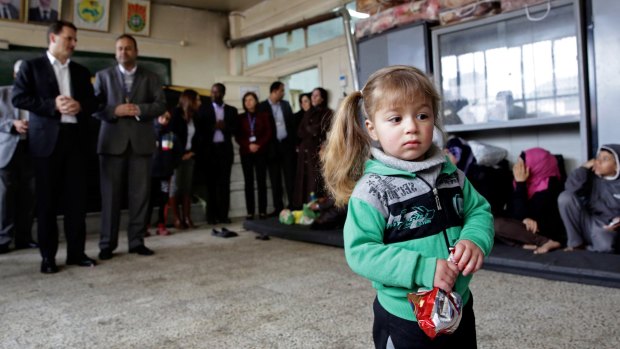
46	15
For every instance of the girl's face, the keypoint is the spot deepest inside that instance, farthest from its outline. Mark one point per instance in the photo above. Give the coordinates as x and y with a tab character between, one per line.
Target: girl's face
305	103
316	98
605	164
249	102
404	131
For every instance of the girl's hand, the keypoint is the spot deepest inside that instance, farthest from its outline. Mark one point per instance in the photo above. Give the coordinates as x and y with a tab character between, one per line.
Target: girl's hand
531	225
468	257
520	171
613	226
446	273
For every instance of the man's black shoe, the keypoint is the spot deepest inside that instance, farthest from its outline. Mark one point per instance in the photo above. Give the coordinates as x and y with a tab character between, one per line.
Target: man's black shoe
262	237
4	248
83	261
25	245
225	233
105	254
48	266
142	250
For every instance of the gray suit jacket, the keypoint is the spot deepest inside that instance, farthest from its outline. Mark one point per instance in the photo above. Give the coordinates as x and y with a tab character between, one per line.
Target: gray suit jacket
116	134
8	136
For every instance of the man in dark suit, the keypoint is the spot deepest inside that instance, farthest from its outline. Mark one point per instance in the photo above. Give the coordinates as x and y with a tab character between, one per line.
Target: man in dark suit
281	159
16	174
220	123
59	96
131	98
8	10
43	13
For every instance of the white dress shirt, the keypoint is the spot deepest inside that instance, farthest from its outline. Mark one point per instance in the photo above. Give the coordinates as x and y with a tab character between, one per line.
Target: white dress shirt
218	136
63	76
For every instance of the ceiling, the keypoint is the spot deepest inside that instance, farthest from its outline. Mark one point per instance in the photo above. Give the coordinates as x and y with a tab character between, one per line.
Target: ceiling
212	5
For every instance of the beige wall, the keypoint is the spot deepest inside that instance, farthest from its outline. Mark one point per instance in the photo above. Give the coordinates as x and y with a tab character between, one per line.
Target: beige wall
198	63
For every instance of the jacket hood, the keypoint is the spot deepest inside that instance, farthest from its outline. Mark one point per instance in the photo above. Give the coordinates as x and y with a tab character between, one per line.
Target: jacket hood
614	149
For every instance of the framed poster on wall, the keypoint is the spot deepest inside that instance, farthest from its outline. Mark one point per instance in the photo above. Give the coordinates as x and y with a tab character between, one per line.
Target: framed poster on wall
11	10
137	17
43	11
91	14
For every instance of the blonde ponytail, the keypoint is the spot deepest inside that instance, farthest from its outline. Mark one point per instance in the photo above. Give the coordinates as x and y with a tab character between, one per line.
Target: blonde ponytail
346	150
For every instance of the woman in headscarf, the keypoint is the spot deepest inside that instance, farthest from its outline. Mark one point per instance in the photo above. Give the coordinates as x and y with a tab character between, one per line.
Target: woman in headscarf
532	217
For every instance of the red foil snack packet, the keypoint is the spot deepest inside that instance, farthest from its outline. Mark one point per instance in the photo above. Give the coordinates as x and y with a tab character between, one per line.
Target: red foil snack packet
437	312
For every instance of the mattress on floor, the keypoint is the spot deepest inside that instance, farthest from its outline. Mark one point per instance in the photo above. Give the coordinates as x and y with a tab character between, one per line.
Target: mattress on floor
578	266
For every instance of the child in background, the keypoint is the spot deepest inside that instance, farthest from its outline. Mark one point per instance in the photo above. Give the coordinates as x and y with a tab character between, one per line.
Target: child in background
406	205
591	202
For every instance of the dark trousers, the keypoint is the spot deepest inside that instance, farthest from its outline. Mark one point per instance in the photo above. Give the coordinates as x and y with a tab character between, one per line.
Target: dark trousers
282	165
17	197
219	166
128	173
60	181
160	192
402	333
255	163
514	233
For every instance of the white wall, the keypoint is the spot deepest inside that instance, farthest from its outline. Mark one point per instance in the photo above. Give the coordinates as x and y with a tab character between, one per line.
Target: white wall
197	64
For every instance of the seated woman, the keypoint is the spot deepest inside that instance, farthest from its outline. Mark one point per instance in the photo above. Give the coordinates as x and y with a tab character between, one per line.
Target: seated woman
532	218
591	203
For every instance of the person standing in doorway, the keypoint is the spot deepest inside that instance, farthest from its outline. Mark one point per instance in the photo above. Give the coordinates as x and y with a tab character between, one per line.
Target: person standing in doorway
131	98
281	156
59	96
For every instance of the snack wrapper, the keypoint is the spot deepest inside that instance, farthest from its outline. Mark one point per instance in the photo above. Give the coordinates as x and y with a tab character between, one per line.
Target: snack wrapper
438	312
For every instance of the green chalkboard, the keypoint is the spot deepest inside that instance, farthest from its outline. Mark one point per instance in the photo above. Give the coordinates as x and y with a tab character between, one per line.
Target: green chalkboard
91	60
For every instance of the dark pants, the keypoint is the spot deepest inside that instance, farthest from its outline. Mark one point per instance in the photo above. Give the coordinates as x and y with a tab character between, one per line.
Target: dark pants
255	163
128	173
17	197
514	233
219	166
160	192
61	176
282	165
389	331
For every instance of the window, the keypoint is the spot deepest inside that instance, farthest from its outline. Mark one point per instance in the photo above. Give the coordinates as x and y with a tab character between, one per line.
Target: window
510	69
258	51
301	82
318	33
288	42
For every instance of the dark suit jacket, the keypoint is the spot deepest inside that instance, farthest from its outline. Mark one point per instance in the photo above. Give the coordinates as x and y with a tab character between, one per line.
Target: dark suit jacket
36	88
34	15
115	133
8	135
230	121
289	120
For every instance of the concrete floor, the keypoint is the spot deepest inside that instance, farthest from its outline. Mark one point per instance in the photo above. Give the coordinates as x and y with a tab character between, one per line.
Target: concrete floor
199	291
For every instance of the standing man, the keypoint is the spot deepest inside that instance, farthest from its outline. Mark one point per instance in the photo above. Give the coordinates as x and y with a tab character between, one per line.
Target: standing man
16	176
281	159
131	98
220	124
59	96
43	13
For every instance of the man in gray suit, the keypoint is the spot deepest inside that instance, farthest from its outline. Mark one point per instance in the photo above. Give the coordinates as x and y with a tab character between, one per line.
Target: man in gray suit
131	98
16	174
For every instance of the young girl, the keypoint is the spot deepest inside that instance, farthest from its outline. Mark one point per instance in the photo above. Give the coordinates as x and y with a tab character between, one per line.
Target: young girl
407	205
